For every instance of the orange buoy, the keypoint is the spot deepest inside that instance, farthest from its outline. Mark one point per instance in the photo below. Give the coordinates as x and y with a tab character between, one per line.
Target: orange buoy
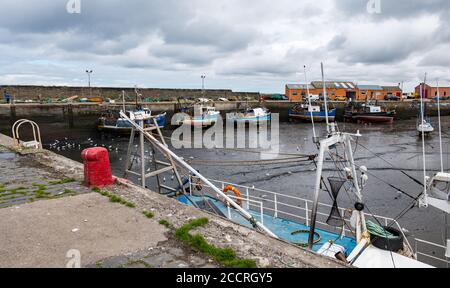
236	193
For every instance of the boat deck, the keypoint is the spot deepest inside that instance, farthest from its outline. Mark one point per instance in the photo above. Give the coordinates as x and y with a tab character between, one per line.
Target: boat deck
283	228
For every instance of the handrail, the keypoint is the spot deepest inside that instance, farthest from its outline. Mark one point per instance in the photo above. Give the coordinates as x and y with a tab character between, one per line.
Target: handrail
418	253
16	135
306	203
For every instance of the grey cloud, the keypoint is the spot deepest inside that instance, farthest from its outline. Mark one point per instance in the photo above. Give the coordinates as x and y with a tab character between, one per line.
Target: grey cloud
394	8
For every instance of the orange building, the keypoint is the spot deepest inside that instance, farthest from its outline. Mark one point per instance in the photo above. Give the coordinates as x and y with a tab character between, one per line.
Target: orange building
342	91
432	92
376	92
335	90
370	92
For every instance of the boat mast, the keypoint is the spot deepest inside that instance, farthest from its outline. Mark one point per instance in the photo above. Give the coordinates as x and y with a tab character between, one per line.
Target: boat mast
310	104
123	101
325	98
440	126
422	94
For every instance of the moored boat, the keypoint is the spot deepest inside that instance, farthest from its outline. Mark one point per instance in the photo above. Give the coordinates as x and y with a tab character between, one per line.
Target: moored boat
111	122
368	113
197	115
303	112
250	115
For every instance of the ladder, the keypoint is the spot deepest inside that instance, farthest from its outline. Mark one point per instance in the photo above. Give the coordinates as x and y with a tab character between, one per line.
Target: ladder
36	143
159	167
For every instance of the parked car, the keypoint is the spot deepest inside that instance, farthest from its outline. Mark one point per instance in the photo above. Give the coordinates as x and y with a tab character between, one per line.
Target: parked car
445	98
392	98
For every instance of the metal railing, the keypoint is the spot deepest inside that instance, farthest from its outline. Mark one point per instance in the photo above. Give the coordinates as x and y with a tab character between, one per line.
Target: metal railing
294	208
427	255
36	143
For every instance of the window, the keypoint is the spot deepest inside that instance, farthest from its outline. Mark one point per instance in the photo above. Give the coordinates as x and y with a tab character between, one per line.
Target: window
435	93
294	93
445	93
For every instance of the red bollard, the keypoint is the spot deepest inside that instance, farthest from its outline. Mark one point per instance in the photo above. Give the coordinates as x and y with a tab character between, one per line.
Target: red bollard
97	169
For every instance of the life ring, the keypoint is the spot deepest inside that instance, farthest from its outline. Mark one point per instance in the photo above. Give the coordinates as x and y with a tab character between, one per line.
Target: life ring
236	193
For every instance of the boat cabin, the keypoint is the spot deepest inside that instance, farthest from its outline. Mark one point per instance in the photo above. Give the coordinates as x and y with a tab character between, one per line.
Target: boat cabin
313	108
257	112
439	191
204	110
143	114
373	109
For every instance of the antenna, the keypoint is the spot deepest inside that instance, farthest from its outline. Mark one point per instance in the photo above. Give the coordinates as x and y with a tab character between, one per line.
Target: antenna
325	98
422	94
309	102
440	126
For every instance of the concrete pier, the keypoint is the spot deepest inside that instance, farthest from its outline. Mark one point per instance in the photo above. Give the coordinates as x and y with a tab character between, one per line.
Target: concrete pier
52	214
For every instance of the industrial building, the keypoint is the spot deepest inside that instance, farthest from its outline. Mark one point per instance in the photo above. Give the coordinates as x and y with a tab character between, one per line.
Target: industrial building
432	92
342	91
335	90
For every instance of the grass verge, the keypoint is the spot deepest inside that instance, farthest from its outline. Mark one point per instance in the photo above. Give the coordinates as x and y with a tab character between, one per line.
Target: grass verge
224	256
113	198
148	214
61	182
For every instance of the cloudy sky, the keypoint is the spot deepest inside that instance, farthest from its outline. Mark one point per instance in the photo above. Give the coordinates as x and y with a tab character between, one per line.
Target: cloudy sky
244	45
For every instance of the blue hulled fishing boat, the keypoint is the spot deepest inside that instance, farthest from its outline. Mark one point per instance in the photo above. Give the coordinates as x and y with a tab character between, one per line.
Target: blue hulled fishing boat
304	112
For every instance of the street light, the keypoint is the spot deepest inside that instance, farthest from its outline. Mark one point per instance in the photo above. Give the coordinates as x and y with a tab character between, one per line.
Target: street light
89	72
203	83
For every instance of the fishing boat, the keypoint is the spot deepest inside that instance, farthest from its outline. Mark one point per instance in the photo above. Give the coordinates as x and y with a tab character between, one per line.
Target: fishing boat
353	235
111	122
368	113
304	112
198	115
250	115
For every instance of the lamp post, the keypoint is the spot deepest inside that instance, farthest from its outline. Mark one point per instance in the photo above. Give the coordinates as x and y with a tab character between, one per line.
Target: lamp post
203	83
89	72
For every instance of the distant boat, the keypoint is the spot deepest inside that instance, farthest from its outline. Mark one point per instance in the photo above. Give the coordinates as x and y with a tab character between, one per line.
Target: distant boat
426	127
113	123
368	113
250	115
303	112
197	115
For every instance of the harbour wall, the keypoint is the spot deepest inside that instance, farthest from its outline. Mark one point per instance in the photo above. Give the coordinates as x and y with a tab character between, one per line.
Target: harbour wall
73	112
45	93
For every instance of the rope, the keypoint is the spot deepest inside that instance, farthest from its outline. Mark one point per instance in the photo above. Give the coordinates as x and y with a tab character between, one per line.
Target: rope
377	230
318	236
247	163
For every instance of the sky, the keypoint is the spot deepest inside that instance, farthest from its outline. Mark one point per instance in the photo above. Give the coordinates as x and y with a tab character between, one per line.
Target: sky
243	45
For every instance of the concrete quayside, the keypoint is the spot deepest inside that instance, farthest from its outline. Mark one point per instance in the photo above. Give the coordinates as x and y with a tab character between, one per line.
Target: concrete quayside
52	220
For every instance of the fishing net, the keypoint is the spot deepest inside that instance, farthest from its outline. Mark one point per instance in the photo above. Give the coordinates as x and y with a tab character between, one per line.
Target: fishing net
335	219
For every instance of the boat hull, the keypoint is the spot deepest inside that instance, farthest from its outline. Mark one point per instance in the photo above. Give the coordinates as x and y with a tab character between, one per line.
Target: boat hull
262	119
317	116
123	127
370	117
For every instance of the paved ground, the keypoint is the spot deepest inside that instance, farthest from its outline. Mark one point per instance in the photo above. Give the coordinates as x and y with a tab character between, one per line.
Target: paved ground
39	234
43	217
24	181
